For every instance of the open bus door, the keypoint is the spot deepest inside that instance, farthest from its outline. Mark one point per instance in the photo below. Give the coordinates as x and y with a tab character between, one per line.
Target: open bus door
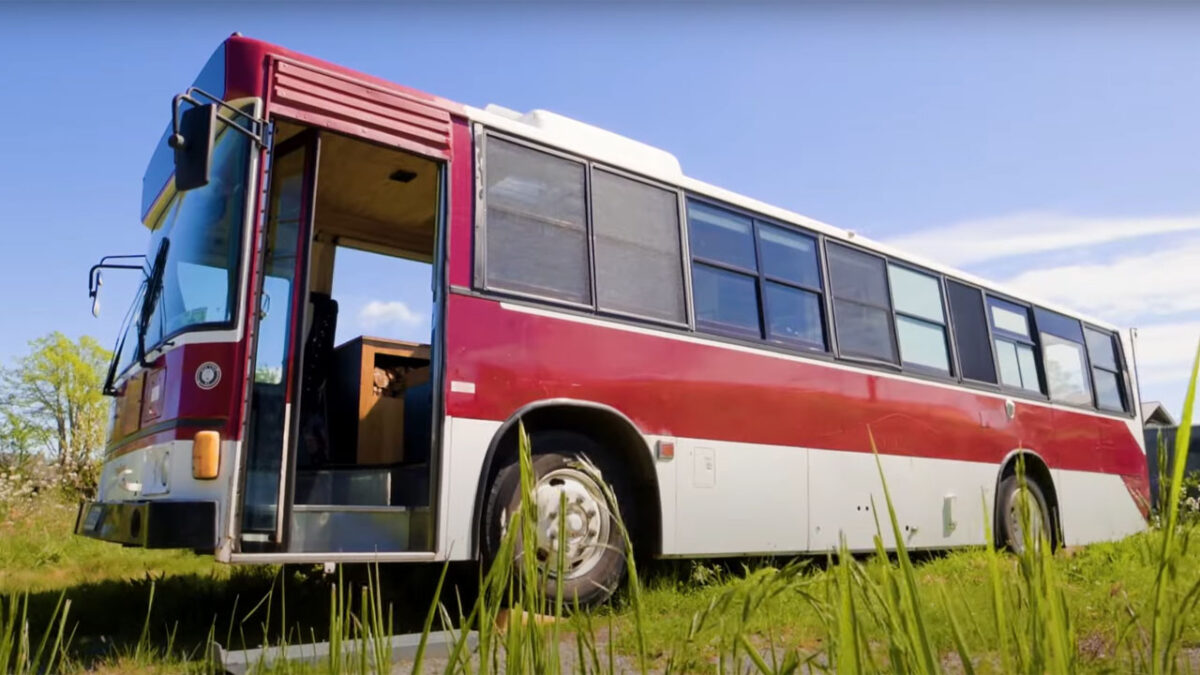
340	453
280	291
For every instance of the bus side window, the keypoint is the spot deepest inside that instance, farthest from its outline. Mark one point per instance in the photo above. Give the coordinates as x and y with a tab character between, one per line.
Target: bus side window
1063	358
862	312
639	267
724	271
1014	345
537	242
920	320
1106	370
971	332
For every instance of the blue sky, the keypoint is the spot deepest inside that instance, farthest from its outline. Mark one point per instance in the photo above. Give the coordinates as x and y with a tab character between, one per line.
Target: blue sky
1054	149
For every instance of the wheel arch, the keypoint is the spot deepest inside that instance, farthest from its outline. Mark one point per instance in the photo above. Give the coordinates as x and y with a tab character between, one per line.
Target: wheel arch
1036	469
603	423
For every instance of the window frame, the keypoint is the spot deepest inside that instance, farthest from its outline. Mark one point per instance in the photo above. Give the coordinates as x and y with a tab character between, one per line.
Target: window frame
1087	359
761	279
480	280
1122	371
896	365
987	324
680	232
1032	341
952	372
482	134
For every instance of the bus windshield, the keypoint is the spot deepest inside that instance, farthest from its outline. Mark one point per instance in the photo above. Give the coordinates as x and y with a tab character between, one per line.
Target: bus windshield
199	278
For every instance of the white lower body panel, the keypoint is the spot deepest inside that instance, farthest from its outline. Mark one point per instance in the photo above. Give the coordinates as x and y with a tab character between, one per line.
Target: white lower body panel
716	497
1095	507
724	498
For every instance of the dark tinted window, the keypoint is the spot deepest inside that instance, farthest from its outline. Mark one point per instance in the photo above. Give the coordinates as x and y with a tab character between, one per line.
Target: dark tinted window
1101	349
717	234
863	330
794	315
536	223
733	287
1108	390
857	276
1058	324
639	268
789	256
1107	378
971	332
725	301
862	314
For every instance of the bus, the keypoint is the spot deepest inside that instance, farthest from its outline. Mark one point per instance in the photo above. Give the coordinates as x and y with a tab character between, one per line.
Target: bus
731	371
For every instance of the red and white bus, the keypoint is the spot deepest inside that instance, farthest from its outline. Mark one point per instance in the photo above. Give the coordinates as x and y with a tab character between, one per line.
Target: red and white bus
724	363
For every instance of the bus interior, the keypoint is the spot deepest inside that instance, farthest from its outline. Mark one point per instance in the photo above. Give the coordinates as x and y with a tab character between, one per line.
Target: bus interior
363	447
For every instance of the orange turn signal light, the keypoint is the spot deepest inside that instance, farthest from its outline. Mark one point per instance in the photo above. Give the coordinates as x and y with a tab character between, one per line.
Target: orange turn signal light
206	455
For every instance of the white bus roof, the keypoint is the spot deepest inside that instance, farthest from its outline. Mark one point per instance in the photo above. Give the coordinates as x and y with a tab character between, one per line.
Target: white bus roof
583	139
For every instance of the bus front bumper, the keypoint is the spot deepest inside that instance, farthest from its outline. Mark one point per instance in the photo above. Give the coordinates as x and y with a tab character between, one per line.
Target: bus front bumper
151	524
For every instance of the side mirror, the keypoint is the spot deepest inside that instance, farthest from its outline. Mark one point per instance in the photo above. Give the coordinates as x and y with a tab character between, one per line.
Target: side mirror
193	143
96	295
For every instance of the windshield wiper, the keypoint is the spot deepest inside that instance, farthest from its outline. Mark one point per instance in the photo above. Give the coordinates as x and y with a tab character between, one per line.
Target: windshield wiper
110	379
150	299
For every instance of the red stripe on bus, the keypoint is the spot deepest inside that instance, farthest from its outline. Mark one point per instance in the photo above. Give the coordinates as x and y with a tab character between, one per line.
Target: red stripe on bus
680	388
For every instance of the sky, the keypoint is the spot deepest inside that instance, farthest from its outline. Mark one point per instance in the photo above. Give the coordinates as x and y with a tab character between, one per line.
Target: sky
1054	149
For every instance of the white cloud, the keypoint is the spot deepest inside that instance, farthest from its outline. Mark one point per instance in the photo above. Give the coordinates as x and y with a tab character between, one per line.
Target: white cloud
1156	289
378	313
1154	283
1165	352
1164	361
1031	232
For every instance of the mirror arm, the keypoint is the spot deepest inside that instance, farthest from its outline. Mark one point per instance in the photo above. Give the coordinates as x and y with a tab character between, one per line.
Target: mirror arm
105	265
178	141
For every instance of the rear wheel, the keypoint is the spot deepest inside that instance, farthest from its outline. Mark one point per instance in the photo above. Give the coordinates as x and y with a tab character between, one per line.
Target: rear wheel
1019	503
586	530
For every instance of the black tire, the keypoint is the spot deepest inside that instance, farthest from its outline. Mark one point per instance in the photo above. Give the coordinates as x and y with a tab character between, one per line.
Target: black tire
559	453
1008	513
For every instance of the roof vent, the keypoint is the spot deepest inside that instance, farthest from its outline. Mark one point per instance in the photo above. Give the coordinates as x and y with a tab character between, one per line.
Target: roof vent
502	111
582	138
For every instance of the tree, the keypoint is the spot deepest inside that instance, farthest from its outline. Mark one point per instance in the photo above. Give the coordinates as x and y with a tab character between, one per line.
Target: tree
20	438
51	399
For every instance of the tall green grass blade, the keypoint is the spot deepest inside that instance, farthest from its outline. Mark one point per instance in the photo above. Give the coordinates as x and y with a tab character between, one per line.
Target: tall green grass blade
960	643
419	657
999	600
753	655
1161	647
143	643
916	620
846	642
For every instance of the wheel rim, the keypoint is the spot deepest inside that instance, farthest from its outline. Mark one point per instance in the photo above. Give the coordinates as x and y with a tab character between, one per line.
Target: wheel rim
1037	518
585	524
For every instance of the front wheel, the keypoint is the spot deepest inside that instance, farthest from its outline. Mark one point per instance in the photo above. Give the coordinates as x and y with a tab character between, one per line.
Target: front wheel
586	530
1019	503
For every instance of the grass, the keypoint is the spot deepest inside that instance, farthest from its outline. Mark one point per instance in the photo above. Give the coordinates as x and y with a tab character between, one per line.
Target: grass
38	552
1127	606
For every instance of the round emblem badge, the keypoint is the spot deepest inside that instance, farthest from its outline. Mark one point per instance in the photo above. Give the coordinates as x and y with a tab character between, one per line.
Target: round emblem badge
208	375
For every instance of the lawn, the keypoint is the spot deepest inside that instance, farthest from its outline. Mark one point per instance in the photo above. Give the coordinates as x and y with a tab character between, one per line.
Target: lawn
693	614
1127	606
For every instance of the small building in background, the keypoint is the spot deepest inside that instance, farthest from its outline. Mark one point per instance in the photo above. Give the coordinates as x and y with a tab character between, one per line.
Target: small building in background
1154	415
